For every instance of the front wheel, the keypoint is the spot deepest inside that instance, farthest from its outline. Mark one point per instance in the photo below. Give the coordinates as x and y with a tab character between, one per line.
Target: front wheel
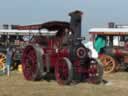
64	71
95	71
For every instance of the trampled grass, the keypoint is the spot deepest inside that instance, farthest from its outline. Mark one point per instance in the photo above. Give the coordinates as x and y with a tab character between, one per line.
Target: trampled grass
16	85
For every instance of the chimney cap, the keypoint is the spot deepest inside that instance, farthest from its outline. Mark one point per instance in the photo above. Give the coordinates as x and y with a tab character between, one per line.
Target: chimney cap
76	12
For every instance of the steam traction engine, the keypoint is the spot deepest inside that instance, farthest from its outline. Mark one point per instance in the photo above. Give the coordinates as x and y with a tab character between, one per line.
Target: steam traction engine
61	53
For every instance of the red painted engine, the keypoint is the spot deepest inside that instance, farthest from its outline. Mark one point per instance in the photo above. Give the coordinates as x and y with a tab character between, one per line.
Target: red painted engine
62	54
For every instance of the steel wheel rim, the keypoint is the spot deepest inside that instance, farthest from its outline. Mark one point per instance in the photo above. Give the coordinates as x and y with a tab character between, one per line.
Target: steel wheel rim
61	71
108	63
29	62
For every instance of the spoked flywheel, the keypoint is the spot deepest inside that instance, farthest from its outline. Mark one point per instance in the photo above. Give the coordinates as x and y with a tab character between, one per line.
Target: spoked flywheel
95	72
64	71
2	61
109	63
32	62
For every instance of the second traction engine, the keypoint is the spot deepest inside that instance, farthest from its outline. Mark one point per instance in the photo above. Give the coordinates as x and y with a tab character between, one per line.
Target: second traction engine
60	52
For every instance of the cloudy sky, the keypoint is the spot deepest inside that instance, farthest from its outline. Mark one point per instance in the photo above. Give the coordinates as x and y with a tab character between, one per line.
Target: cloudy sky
97	13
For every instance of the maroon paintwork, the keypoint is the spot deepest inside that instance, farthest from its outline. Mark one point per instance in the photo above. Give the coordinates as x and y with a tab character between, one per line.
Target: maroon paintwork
62	54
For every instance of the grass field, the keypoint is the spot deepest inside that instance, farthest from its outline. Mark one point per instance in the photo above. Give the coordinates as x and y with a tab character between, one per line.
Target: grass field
15	85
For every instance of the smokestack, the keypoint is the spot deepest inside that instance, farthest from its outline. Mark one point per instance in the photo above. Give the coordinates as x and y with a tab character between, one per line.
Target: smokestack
111	25
75	23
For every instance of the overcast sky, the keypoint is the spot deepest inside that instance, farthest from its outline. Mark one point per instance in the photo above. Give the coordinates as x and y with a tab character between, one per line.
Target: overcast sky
97	13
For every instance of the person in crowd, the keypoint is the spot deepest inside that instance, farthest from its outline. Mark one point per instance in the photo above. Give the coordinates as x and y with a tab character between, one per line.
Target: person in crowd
9	54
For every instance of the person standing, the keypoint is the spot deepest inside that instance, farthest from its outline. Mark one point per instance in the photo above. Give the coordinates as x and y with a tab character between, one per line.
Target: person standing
8	60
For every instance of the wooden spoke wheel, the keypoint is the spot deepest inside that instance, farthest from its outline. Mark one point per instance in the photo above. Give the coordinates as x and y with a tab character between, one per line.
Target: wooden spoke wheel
2	61
64	71
32	63
108	63
95	72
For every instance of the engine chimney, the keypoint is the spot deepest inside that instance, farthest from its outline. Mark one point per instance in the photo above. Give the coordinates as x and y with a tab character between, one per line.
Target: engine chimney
75	23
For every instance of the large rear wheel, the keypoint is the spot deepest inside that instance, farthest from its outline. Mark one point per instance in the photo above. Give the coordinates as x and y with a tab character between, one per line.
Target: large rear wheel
32	62
64	71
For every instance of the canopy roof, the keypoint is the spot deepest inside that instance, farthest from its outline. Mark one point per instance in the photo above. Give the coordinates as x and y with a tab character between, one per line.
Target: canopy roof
109	31
52	25
43	32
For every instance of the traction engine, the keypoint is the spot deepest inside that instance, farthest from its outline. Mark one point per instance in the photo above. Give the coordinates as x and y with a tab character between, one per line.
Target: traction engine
61	54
